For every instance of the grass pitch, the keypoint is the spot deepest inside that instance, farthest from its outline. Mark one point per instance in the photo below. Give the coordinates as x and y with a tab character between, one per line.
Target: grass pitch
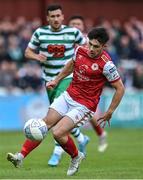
122	160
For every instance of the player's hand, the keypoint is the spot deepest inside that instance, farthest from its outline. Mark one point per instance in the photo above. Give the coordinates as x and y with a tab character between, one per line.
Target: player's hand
51	84
104	119
41	57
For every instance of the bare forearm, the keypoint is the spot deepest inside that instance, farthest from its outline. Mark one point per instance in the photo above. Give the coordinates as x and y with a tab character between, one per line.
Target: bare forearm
30	54
119	92
116	99
67	70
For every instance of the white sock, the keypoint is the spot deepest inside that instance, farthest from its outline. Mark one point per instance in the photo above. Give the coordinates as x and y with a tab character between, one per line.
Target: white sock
80	138
20	156
78	135
58	149
103	134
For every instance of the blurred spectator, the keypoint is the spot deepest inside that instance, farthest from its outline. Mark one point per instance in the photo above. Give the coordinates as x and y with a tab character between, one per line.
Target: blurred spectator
36	23
3	51
138	77
125	47
13	50
139	52
30	77
8	77
20	23
24	36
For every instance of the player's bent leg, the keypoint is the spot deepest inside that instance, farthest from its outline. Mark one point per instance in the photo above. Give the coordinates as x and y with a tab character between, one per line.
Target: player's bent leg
102	144
81	139
76	156
16	159
52	118
56	156
60	132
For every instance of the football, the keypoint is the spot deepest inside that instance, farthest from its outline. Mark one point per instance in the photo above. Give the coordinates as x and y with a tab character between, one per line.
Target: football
35	129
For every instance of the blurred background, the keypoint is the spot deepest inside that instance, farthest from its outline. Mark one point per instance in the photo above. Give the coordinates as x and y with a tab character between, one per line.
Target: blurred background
22	93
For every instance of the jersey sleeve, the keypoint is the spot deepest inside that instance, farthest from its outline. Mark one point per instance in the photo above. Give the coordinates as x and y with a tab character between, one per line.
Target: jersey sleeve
34	41
75	53
110	72
79	37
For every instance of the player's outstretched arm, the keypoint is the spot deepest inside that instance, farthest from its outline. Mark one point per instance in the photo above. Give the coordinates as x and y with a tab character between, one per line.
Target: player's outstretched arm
67	70
119	92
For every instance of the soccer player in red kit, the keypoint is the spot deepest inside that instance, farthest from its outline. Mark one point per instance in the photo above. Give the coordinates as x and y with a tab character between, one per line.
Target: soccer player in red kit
91	68
78	22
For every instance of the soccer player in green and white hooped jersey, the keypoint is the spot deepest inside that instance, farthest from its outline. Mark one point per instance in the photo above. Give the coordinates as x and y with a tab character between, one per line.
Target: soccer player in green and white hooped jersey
56	44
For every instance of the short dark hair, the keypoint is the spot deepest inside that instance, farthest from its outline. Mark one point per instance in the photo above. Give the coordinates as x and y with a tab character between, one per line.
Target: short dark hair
53	7
76	17
100	34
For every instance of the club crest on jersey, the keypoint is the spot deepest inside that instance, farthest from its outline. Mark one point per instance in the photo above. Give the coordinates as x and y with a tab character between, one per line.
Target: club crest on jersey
94	67
66	37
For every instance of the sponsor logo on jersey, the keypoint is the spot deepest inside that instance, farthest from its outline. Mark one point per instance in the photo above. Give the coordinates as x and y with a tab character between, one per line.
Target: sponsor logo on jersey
94	67
81	74
112	69
82	69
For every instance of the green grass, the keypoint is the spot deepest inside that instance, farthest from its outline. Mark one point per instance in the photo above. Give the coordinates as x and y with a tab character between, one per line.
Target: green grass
122	160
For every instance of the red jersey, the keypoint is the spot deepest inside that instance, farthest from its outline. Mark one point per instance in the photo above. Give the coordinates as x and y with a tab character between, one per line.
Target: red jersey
89	77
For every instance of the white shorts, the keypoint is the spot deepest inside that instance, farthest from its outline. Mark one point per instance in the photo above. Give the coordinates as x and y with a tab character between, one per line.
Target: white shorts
66	106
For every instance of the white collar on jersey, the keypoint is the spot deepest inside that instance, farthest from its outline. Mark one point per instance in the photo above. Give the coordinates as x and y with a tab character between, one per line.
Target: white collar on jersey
62	26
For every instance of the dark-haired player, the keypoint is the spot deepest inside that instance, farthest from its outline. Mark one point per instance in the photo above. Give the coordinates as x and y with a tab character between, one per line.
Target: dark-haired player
92	67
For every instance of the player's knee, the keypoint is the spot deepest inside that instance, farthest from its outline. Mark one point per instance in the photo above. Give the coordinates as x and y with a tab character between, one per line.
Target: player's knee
57	134
48	122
